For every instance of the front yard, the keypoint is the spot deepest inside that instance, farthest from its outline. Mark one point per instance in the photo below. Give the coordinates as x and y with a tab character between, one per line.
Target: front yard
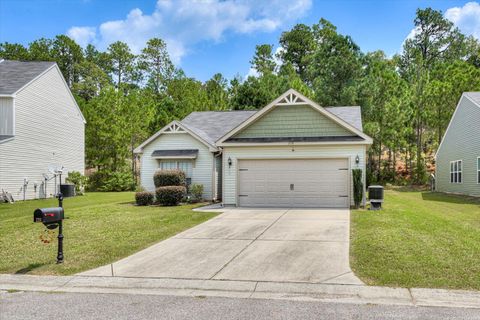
101	228
420	239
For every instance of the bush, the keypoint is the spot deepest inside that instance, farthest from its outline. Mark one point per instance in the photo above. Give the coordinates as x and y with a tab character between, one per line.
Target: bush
357	187
163	178
196	190
170	195
104	180
144	198
78	179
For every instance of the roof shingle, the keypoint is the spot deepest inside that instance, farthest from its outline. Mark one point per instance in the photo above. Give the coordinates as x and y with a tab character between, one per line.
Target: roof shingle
15	74
212	125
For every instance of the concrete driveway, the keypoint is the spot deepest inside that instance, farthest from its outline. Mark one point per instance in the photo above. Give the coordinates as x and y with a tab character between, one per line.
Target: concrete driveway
280	245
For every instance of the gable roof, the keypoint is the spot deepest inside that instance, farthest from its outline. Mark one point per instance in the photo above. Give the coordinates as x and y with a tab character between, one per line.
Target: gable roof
292	97
473	97
14	75
212	125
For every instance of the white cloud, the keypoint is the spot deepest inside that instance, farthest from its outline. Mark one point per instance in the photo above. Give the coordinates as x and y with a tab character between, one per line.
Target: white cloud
83	35
182	23
466	18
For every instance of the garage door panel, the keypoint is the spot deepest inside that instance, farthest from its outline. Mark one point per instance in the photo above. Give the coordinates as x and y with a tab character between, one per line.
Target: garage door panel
316	183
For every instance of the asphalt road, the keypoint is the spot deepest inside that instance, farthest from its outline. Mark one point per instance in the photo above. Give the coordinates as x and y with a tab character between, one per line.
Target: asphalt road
36	305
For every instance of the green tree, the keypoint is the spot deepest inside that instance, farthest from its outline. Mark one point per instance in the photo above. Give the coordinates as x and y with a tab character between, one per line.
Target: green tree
155	62
263	60
121	63
335	66
67	53
297	46
436	40
216	89
41	49
13	51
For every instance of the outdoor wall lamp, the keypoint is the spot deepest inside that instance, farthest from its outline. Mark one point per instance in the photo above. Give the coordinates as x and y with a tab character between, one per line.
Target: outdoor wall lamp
357	159
229	162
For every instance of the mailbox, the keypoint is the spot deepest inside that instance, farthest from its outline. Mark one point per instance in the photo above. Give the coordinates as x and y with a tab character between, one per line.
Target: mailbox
48	215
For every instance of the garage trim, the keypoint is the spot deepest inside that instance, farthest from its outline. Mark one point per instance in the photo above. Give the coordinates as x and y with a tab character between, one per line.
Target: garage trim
237	184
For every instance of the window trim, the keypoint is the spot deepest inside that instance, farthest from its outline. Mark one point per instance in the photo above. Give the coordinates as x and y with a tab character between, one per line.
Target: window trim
453	171
191	161
478	170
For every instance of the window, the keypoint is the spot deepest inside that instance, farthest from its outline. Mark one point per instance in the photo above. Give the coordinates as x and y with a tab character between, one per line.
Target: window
478	170
456	171
184	165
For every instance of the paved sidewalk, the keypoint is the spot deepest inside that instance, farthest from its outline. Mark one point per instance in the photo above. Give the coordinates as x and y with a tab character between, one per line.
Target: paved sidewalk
282	245
358	294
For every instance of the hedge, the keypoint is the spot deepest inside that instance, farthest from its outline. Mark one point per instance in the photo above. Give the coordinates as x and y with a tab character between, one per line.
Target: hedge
357	187
163	178
144	198
170	195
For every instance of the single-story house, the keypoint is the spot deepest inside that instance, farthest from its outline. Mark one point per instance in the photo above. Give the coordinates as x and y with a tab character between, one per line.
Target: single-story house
291	153
458	155
41	129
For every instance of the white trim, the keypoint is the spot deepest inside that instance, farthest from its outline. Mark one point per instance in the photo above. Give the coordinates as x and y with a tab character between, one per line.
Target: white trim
478	170
7	95
277	101
175	157
8	139
456	162
175	124
266	144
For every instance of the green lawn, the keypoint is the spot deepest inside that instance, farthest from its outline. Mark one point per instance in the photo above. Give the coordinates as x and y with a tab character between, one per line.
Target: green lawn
420	239
101	228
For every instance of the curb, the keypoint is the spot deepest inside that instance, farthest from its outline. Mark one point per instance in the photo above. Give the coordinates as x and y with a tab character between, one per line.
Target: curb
357	294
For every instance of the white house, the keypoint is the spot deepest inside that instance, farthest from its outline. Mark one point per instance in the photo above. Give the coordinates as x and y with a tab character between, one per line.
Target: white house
41	128
291	153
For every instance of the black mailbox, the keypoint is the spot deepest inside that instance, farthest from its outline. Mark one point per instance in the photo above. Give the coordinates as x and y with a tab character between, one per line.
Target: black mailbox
48	215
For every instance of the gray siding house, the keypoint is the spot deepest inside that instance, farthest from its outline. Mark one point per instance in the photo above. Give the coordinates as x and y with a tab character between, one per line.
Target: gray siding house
458	156
41	128
291	153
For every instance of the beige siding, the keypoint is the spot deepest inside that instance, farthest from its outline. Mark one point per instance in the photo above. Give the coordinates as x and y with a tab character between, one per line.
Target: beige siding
230	174
6	116
203	167
293	121
461	142
49	129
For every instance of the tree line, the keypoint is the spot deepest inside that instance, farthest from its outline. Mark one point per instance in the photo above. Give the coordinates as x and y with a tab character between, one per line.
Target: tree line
407	100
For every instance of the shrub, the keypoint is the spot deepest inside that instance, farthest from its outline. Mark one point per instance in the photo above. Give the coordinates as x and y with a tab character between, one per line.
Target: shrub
78	179
357	187
163	178
112	181
144	198
196	190
170	195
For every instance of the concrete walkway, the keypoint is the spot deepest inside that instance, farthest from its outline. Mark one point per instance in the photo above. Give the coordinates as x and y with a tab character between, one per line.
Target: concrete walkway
334	293
266	245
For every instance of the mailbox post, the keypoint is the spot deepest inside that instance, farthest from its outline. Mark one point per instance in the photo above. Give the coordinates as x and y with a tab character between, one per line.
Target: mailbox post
53	218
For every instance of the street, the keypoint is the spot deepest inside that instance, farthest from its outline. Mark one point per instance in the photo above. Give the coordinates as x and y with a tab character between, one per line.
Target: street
37	305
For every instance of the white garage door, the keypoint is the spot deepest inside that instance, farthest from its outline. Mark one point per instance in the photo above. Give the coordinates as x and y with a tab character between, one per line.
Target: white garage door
294	183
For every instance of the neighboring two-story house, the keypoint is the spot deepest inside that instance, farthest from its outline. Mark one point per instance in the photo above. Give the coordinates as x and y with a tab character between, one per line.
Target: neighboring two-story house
41	129
458	156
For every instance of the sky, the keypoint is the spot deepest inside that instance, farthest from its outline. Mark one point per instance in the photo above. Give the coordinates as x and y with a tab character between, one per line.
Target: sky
205	37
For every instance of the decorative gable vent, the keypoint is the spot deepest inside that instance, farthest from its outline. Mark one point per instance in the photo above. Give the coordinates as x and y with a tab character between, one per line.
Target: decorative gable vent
174	128
291	99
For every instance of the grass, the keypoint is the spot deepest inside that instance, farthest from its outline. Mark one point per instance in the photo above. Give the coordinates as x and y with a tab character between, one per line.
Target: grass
101	228
420	239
